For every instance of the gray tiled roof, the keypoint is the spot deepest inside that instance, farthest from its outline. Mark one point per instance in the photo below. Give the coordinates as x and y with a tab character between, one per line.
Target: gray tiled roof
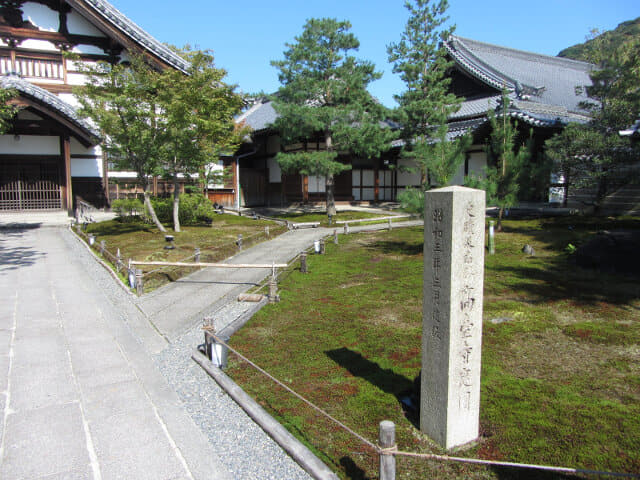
47	98
112	15
259	117
531	76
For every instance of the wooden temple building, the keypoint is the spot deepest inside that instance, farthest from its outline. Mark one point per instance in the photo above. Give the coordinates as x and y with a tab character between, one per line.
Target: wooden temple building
50	156
541	89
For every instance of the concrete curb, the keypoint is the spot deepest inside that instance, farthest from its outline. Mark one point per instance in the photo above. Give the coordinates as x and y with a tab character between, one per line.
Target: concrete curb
101	262
301	454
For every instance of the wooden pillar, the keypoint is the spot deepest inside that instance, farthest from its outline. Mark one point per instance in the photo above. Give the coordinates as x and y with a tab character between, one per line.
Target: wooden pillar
305	189
66	155
376	185
155	186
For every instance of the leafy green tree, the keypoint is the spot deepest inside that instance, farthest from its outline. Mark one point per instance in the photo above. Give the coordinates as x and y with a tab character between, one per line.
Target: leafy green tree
505	158
198	111
324	95
121	100
593	155
425	106
7	110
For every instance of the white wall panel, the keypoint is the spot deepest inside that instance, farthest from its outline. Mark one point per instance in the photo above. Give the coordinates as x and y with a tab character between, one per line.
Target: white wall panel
41	16
29	145
275	172
86	167
78	25
317	184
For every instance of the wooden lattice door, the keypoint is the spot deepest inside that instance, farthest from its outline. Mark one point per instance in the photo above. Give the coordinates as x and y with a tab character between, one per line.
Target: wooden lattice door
30	185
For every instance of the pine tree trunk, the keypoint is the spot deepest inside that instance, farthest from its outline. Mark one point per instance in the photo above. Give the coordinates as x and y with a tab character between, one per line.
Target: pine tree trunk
331	203
152	211
176	204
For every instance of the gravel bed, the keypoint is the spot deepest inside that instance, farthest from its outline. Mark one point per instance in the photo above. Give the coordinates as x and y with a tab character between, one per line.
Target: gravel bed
244	448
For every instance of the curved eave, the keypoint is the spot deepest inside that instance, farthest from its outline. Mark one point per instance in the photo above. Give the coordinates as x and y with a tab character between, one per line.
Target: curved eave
471	64
110	18
30	95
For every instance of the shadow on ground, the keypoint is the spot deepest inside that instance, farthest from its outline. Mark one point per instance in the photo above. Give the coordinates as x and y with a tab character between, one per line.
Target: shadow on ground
12	258
385	379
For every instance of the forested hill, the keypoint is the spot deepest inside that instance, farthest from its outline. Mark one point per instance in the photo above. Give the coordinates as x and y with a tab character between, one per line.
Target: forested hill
614	38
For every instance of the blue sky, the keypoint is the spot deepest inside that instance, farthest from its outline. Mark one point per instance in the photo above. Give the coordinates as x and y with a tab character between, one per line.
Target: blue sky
246	35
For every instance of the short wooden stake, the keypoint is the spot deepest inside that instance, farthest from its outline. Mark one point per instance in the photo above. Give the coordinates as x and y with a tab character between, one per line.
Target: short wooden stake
335	236
103	246
139	282
196	257
273	290
208	339
239	242
303	263
322	246
492	238
387	442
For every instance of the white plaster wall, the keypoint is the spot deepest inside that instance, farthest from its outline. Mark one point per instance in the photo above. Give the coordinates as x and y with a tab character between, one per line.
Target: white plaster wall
76	78
88	49
77	24
275	172
33	44
41	16
29	145
317	184
407	178
86	167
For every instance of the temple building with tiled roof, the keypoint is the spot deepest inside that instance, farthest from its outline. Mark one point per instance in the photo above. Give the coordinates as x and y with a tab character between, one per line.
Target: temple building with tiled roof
50	157
545	94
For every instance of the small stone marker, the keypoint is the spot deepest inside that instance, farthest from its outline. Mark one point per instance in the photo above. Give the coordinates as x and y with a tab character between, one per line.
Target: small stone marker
346	229
196	256
303	263
273	290
103	247
239	242
335	236
389	224
322	246
452	314
139	283
266	230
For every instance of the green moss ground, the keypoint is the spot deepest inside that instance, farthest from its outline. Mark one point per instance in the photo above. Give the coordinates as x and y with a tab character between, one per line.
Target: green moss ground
560	379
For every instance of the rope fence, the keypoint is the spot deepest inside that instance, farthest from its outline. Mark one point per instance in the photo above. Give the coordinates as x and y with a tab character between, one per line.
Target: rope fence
388	450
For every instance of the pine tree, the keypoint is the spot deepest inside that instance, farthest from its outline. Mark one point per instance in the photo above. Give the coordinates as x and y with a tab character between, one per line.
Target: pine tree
425	106
505	158
324	95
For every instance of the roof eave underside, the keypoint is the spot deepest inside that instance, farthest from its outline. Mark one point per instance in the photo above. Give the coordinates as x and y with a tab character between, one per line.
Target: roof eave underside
51	101
123	25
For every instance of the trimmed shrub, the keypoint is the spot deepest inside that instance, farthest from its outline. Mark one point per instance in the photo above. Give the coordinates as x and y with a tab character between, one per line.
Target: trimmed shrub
127	208
195	208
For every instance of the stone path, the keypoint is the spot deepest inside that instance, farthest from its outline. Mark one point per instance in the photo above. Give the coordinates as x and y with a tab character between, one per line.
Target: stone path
81	398
100	385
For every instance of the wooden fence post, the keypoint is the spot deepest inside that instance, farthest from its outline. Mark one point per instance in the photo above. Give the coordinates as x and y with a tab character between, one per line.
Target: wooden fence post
266	230
239	242
273	290
208	340
387	441
303	263
139	282
346	229
322	246
335	236
492	238
103	246
118	261
197	255
389	224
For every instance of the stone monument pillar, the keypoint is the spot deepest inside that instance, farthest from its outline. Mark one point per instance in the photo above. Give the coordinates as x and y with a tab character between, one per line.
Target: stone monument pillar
452	314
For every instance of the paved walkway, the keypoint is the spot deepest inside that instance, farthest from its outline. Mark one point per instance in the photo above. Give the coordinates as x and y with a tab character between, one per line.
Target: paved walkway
81	399
178	306
83	396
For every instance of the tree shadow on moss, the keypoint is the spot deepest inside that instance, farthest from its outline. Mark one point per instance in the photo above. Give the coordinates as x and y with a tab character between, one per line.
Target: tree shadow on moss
395	247
386	380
